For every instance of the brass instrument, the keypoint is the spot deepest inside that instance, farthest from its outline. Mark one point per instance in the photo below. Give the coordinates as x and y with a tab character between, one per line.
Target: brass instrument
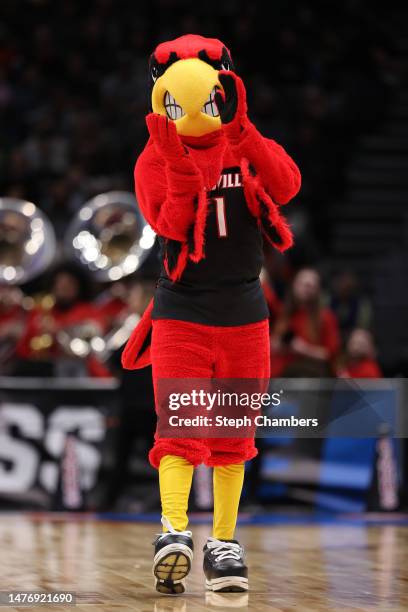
27	248
27	241
109	236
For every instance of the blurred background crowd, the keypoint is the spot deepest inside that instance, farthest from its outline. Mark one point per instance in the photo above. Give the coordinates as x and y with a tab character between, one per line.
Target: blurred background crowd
327	80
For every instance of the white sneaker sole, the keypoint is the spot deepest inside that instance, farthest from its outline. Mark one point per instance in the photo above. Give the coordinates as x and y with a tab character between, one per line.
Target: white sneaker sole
228	584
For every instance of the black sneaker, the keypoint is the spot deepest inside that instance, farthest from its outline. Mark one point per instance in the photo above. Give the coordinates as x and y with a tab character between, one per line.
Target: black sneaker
224	566
173	553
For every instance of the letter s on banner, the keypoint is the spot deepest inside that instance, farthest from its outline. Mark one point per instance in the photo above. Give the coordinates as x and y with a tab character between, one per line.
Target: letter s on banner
23	457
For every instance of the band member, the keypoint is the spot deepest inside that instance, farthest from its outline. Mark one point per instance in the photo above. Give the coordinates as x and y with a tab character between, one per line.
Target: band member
67	308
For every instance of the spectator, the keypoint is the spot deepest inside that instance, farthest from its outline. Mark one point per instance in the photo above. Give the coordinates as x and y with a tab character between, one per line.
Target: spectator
305	339
57	337
350	307
360	359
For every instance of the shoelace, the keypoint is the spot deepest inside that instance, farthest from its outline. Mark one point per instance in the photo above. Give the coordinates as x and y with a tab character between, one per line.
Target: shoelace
224	550
170	529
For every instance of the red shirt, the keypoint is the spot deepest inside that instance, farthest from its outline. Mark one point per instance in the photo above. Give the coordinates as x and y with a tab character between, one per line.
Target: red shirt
300	327
365	368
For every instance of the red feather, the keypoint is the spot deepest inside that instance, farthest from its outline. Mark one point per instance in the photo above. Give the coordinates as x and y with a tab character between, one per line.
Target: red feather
189	46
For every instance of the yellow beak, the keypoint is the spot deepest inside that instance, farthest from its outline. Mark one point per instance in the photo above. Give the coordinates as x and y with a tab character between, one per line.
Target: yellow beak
190	82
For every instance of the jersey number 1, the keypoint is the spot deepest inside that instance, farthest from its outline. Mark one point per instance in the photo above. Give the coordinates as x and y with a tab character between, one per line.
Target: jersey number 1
221	219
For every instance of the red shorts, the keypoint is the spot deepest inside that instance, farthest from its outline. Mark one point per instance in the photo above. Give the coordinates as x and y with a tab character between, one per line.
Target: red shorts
181	349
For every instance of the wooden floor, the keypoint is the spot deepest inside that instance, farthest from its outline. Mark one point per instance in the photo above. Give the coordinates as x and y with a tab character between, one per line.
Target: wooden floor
301	568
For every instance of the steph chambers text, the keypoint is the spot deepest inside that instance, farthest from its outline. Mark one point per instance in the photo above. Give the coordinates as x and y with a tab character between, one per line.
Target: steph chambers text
259	420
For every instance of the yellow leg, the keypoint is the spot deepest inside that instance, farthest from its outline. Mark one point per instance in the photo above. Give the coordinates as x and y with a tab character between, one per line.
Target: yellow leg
175	477
228	481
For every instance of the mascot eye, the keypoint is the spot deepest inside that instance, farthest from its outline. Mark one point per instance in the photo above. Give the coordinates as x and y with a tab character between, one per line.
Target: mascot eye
173	110
210	107
154	73
225	66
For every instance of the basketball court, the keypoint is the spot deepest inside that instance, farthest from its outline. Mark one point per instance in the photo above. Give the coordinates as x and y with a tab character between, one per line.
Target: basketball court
295	563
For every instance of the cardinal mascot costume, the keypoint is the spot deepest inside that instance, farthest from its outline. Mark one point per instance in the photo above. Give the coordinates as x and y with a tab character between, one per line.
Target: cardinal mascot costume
212	187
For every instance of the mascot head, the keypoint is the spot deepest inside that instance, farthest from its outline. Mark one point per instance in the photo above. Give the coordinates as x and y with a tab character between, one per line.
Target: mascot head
184	79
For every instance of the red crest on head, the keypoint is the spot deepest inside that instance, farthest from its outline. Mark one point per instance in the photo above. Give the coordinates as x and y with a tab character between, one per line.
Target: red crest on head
190	45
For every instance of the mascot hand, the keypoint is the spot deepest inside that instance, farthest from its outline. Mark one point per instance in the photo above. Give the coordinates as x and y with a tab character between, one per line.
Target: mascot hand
231	103
165	138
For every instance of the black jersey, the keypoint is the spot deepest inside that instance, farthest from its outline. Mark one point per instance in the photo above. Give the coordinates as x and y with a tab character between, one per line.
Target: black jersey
223	288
